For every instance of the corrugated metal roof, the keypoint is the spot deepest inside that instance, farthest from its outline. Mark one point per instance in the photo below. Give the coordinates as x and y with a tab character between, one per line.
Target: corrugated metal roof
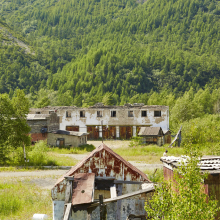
150	131
205	163
96	152
73	133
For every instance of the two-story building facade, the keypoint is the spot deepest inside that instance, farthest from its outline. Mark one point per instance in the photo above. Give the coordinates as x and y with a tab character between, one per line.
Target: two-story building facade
111	122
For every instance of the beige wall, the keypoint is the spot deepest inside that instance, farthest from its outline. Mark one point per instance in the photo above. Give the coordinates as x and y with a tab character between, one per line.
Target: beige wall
69	140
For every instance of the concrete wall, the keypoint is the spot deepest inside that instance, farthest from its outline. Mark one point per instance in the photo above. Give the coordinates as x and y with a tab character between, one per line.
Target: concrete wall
119	210
121	118
69	140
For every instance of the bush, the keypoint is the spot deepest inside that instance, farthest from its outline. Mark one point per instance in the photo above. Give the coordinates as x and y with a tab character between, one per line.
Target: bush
38	156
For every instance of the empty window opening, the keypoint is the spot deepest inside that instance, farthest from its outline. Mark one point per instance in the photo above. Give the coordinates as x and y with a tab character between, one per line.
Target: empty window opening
37	113
99	114
157	113
50	112
130	114
113	113
82	114
144	114
68	114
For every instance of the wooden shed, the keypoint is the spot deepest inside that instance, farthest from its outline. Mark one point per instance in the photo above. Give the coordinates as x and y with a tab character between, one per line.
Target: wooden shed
61	138
102	186
152	135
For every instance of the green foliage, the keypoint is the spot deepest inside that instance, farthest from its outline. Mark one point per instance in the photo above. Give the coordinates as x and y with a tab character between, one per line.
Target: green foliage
13	124
85	50
136	141
20	198
184	198
38	155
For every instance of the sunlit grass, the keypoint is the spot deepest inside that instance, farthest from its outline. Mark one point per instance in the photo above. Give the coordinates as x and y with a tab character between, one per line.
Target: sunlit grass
73	150
61	160
149	154
19	199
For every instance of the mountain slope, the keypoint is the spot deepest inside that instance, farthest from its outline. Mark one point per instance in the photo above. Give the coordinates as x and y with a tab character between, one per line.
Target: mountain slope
123	47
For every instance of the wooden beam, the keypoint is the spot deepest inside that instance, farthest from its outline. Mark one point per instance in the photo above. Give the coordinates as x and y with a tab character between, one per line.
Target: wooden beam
67	212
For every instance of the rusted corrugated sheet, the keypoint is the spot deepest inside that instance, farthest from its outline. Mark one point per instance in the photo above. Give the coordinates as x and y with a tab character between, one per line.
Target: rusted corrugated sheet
83	188
126	132
93	132
72	128
105	162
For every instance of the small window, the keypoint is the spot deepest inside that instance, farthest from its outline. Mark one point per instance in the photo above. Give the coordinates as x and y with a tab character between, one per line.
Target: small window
50	112
157	113
68	114
99	114
82	114
113	113
130	114
143	113
37	113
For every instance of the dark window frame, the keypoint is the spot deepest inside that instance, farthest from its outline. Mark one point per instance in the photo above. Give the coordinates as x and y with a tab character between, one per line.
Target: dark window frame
82	113
68	114
99	114
157	113
144	113
130	114
113	113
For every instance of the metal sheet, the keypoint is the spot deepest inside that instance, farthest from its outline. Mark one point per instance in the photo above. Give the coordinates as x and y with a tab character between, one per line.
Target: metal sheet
72	128
126	132
93	132
83	188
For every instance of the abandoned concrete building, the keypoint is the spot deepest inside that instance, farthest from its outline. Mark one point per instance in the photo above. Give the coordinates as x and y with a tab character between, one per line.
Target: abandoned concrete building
62	138
102	186
207	164
41	124
111	122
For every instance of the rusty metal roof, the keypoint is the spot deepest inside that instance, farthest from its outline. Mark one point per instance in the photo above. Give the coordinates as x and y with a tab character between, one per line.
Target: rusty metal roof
114	157
83	188
150	131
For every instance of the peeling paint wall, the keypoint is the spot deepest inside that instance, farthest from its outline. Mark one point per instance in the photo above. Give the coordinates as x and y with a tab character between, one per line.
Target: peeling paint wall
133	205
69	140
121	119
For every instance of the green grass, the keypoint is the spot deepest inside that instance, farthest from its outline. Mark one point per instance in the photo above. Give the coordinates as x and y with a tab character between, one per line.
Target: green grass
20	199
149	154
73	150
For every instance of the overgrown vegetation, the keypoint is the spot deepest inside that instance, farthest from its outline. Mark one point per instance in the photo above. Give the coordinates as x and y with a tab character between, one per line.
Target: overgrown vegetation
184	196
40	155
111	51
20	199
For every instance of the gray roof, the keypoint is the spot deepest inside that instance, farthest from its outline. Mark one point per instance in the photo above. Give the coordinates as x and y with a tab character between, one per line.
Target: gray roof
73	133
209	163
149	131
37	116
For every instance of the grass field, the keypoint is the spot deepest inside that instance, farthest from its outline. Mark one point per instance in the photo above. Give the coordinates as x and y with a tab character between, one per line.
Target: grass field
21	199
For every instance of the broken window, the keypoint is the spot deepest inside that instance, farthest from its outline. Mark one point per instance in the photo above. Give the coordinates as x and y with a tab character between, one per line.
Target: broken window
130	114
51	112
113	113
37	113
143	113
68	114
99	114
82	114
157	113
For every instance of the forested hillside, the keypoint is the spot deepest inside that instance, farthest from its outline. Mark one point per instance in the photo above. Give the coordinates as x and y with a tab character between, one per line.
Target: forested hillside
85	49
